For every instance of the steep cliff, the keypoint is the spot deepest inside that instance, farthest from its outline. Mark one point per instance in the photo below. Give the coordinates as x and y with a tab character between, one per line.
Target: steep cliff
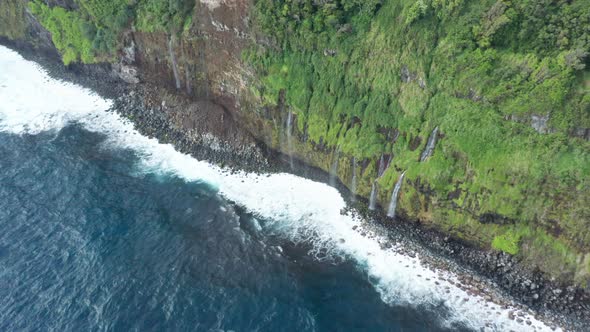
505	85
358	88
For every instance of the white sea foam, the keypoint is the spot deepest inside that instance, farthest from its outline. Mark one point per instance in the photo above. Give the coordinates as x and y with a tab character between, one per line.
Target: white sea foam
33	102
296	208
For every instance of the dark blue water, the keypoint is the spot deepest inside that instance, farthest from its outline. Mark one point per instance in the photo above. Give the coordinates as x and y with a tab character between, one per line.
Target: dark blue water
88	243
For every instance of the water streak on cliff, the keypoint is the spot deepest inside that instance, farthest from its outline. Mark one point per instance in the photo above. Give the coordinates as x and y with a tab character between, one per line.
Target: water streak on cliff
173	62
430	145
334	168
353	183
394	195
189	88
289	139
383	165
373	198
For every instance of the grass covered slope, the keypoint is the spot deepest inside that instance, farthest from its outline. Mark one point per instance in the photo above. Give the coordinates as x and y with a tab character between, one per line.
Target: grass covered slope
505	81
12	23
91	31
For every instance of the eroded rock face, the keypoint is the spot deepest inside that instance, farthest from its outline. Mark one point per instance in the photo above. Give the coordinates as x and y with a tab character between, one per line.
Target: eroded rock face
126	68
207	55
126	72
406	75
539	123
214	4
201	101
201	128
203	64
582	133
67	4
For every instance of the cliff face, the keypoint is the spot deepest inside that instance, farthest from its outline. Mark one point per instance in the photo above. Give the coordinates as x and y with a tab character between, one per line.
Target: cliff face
192	76
357	89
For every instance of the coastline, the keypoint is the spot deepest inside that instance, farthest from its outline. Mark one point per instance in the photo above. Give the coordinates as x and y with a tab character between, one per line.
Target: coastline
502	269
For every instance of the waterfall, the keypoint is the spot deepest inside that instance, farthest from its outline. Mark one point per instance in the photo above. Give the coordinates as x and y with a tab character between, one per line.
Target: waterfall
382	167
430	145
393	203
189	89
353	184
373	199
173	61
289	140
334	168
202	67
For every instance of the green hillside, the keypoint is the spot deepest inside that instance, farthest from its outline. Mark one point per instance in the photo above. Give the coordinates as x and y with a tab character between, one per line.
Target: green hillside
482	71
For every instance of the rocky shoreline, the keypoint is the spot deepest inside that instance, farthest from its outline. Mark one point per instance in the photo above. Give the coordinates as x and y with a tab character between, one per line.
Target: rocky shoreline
146	106
504	279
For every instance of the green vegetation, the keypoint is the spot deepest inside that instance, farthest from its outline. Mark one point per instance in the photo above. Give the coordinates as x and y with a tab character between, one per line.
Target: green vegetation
355	71
159	15
89	34
92	33
12	24
66	31
507	242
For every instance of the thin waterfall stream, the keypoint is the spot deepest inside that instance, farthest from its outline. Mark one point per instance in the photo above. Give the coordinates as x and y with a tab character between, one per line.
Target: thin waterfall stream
375	187
353	182
289	139
394	195
430	145
173	61
334	167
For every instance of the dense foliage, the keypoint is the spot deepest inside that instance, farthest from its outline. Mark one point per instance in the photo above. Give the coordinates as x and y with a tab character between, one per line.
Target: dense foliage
356	71
11	22
92	32
158	15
